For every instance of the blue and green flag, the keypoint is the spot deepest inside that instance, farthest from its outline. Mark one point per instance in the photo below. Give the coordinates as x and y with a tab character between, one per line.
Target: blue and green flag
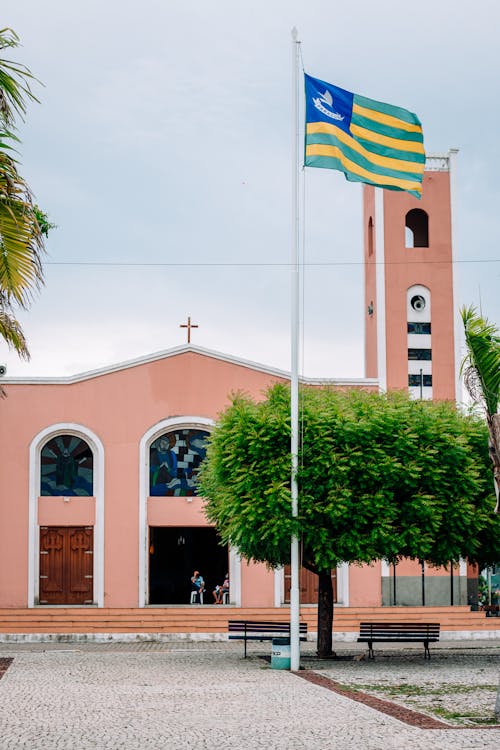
366	140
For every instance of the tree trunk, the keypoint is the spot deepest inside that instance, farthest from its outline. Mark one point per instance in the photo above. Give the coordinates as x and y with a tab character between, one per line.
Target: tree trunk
325	614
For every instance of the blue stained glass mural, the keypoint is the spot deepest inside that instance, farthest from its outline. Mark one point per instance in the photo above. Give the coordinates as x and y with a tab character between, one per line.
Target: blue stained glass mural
174	459
66	467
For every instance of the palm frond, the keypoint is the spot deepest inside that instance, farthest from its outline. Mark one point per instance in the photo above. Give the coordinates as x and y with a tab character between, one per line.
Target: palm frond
481	365
11	332
21	240
15	79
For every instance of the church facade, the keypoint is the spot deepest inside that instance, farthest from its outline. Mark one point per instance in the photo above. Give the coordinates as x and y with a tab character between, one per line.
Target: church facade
98	505
98	500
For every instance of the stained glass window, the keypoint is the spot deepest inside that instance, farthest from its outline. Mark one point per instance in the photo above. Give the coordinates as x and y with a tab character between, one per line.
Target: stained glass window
67	467
174	460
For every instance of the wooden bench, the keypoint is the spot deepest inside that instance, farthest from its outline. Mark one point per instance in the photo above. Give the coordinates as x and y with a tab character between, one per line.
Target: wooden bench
398	632
261	630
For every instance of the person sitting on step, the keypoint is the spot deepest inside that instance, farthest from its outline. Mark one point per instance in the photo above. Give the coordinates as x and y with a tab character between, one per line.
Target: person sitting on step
217	592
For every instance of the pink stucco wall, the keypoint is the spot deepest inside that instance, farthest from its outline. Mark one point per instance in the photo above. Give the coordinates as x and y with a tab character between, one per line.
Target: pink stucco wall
413	568
365	588
257	585
14	470
178	511
66	511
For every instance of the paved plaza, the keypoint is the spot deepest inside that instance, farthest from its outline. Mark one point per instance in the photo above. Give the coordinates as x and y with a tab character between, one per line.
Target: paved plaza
205	695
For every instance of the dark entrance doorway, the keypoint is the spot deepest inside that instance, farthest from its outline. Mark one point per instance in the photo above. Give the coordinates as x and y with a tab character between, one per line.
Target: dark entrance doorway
66	565
174	553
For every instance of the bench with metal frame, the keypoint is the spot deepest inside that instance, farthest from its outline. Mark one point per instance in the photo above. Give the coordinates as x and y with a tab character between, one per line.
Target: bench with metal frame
261	630
398	632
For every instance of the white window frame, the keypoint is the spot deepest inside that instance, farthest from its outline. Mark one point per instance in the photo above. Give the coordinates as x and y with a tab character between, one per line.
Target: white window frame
154	432
97	448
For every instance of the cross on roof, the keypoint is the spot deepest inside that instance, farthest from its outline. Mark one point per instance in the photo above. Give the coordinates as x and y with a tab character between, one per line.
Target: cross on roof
188	325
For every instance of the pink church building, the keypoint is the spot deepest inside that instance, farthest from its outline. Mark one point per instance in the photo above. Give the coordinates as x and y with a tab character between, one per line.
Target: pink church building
98	505
105	464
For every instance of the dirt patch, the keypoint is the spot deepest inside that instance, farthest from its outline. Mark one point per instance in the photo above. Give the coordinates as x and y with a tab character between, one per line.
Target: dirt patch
5	662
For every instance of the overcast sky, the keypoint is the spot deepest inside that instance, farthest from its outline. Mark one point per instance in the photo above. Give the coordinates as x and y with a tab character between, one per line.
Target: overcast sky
163	137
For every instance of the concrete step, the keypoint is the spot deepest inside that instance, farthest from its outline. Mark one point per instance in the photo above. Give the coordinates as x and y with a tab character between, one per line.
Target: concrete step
213	619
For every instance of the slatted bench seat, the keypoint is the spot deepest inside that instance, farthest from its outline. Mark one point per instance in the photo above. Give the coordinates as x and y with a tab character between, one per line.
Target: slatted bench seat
398	632
261	630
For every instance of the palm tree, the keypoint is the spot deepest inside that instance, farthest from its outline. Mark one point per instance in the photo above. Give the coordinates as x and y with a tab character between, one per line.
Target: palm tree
481	371
22	225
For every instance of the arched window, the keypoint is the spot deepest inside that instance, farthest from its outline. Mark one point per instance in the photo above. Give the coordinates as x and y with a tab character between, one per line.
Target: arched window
174	460
417	228
67	467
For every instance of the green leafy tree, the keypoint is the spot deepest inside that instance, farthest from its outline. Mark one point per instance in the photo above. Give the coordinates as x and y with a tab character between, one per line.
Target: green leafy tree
380	477
481	371
23	225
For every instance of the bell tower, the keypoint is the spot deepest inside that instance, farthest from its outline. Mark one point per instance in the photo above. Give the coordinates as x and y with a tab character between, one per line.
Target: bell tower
411	320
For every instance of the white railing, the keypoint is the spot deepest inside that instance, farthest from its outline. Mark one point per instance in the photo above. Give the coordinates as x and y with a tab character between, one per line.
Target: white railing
437	163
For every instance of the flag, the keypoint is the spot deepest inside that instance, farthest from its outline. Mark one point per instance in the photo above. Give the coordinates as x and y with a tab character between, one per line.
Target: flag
367	140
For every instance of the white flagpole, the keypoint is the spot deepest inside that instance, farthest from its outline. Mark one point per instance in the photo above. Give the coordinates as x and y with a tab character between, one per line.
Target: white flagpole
294	385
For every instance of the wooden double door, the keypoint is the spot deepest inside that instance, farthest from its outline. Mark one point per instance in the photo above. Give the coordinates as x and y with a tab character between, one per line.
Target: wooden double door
66	565
308	584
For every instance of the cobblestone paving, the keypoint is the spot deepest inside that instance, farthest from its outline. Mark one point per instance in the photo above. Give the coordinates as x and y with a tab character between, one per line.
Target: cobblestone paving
206	696
458	684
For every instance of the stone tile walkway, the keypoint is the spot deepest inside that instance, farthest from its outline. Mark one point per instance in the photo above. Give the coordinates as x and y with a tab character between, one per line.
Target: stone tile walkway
206	696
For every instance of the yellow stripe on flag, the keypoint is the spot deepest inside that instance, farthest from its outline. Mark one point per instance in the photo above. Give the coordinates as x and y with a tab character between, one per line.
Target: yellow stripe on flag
383	140
319	149
393	122
381	161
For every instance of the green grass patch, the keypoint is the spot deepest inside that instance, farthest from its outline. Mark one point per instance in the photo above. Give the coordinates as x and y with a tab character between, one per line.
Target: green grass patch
411	690
462	718
413	694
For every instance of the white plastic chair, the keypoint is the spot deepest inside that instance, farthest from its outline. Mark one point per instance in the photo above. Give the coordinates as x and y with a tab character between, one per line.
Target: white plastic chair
225	597
194	594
